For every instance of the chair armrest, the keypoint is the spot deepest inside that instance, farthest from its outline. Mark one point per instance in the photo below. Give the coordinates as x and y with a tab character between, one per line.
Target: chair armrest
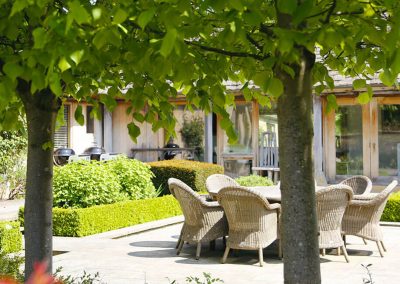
210	204
361	202
364	196
274	206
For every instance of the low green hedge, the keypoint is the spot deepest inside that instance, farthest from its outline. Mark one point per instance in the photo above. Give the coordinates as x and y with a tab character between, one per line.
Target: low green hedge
392	209
10	237
192	173
81	222
254	180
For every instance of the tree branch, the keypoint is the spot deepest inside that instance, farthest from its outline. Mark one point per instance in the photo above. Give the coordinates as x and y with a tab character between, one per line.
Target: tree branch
330	12
226	52
254	42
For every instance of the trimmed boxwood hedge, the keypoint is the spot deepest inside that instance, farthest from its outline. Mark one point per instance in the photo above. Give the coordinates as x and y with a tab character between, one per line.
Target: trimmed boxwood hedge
10	237
192	173
392	209
81	222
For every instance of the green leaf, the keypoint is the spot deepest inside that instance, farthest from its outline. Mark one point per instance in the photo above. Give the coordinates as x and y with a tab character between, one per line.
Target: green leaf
275	87
48	145
63	64
55	85
12	70
332	104
263	100
96	13
359	84
134	131
387	78
39	38
145	17
79	13
363	98
139	117
302	11
287	6
109	102
237	4
18	6
109	36
79	116
120	16
168	42
77	56
60	118
38	80
319	89
6	92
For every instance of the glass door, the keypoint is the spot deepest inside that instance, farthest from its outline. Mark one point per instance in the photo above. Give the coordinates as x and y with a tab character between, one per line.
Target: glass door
385	150
363	139
346	140
349	140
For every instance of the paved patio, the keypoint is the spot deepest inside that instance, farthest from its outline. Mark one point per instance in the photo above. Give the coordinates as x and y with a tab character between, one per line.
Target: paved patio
150	257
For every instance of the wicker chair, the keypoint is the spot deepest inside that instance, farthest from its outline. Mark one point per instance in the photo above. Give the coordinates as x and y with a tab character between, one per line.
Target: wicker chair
253	222
204	221
216	182
362	217
360	184
331	205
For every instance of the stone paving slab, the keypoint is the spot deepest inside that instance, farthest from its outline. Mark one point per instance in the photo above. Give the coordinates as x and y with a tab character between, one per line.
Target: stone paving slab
9	209
150	258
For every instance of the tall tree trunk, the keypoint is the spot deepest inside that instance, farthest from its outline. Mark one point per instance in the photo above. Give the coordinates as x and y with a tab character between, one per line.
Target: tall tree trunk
299	222
41	112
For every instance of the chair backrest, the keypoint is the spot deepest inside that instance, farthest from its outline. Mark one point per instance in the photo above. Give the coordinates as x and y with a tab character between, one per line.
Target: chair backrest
215	182
379	201
244	208
189	200
359	184
331	205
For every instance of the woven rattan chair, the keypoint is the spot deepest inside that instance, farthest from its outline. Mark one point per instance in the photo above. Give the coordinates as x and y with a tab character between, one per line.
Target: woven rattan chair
216	182
360	184
362	217
204	221
205	197
331	205
253	222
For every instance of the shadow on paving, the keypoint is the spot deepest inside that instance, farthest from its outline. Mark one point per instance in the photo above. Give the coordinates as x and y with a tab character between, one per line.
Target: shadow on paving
154	244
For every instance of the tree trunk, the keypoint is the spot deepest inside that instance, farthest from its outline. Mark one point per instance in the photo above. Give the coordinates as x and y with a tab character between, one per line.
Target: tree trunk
41	112
299	222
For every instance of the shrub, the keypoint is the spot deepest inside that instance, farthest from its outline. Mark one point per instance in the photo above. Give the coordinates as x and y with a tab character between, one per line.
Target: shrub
10	237
134	177
84	184
392	209
10	267
192	173
81	222
192	131
254	180
13	163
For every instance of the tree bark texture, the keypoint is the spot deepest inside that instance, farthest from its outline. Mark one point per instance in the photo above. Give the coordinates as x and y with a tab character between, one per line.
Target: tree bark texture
41	111
299	222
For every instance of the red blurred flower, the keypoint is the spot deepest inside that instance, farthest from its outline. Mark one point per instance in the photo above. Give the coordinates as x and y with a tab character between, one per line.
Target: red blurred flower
40	276
7	280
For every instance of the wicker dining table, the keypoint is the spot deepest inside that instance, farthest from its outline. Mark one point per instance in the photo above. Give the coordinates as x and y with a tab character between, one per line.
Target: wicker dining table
272	193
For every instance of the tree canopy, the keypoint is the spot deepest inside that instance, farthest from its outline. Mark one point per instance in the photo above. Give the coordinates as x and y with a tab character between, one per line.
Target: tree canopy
148	52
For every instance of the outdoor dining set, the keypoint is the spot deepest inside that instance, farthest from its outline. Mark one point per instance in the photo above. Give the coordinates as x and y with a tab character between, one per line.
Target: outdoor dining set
250	216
